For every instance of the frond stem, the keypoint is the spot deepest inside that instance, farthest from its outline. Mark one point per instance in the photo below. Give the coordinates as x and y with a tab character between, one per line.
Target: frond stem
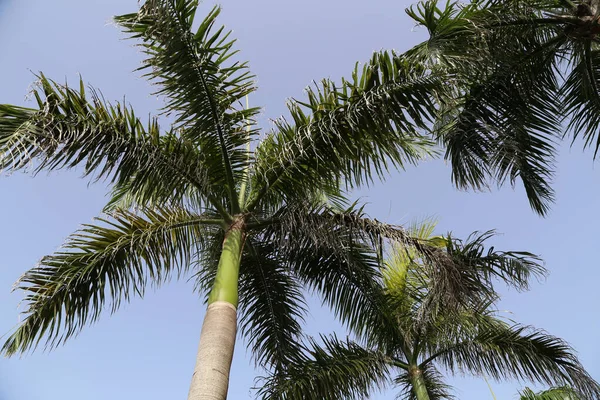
397	363
235	208
244	185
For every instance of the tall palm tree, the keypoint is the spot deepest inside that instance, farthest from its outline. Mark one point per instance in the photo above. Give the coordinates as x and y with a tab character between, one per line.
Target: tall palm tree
414	335
525	73
253	220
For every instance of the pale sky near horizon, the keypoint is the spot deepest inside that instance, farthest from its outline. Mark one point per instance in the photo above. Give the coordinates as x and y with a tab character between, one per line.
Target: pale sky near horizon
147	349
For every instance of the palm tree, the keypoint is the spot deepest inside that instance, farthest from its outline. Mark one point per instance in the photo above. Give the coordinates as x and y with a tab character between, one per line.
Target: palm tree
558	393
525	73
253	221
414	334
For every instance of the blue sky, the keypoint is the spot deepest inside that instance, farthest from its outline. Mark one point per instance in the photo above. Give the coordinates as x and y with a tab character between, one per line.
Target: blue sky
147	349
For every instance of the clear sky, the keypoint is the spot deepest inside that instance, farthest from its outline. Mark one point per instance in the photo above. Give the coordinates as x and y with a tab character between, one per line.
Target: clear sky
147	349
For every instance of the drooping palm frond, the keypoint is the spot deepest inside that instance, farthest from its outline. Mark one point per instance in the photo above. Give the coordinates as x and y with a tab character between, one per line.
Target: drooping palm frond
350	131
514	268
112	261
335	254
581	95
203	86
504	117
507	60
463	274
335	370
520	352
272	306
344	273
559	393
340	242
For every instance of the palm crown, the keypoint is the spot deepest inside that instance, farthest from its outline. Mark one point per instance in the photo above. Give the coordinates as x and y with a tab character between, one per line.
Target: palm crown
415	333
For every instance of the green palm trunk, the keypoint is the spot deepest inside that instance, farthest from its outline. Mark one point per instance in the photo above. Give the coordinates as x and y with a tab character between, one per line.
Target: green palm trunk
418	383
225	287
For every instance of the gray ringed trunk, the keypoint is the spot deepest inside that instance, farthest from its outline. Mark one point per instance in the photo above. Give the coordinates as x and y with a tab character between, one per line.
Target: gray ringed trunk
215	353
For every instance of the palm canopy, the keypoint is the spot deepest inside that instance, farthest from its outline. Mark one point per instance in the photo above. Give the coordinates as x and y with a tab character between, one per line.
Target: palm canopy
525	73
179	193
414	334
206	197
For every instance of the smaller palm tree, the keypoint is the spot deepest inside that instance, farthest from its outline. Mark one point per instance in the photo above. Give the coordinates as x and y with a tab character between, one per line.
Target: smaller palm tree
557	393
414	334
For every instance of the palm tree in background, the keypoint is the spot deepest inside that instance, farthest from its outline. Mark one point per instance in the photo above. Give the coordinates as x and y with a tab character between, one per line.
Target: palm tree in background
525	74
558	393
414	335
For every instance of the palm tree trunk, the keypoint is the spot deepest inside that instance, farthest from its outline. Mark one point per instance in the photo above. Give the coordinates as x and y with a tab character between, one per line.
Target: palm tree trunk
217	339
419	387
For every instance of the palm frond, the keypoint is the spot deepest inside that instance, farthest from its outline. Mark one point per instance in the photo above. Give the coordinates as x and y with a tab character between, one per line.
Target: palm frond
464	274
450	283
336	370
507	127
272	306
514	268
581	96
354	130
503	118
203	86
73	128
520	352
114	261
332	253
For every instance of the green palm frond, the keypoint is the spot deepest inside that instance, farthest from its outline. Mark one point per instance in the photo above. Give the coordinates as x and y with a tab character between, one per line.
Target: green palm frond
503	119
452	286
520	352
335	254
272	306
344	274
73	128
353	130
506	126
206	263
507	60
581	96
112	261
452	327
514	268
464	274
335	370
559	393
202	83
